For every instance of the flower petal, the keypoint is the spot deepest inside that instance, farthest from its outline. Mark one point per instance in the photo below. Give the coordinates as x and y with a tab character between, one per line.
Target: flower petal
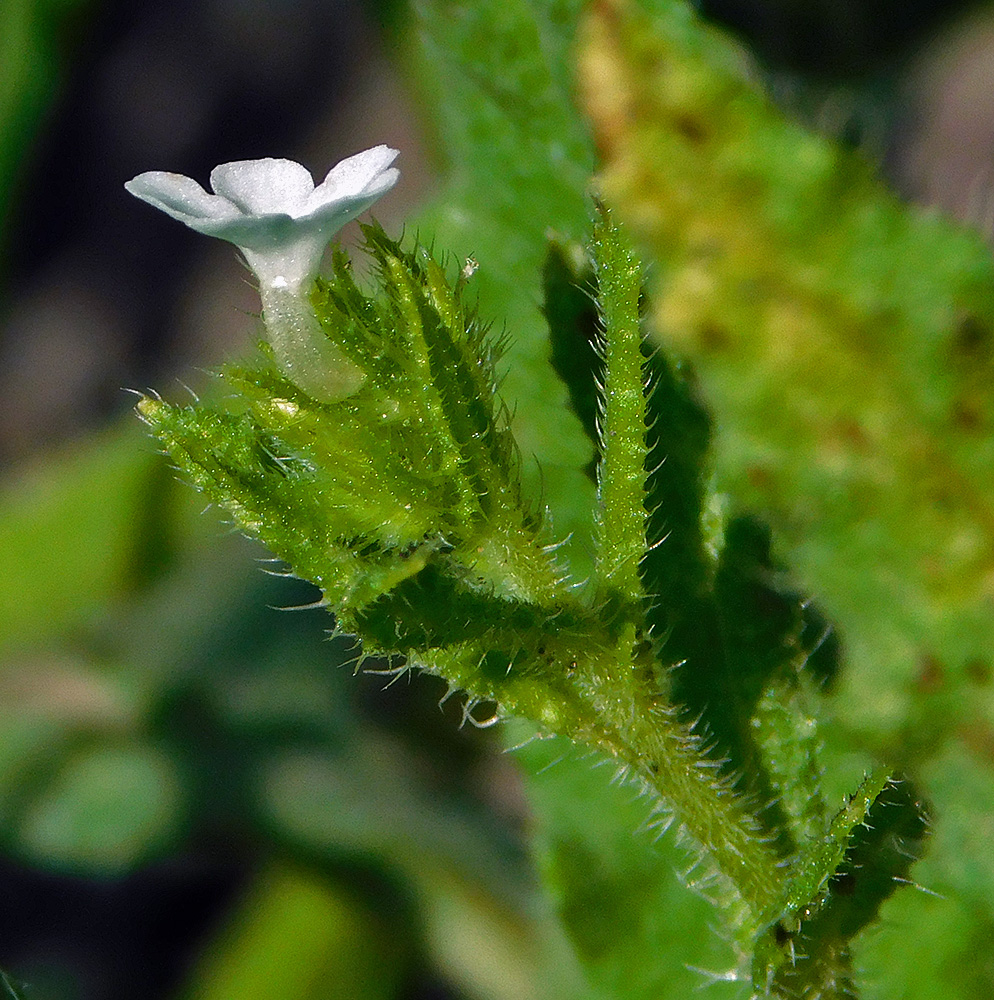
260	232
364	173
327	219
181	197
271	210
264	187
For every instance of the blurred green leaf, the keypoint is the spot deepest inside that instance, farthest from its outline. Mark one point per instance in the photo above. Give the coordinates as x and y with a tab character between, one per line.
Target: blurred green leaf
373	802
107	808
481	918
295	934
78	530
845	343
927	945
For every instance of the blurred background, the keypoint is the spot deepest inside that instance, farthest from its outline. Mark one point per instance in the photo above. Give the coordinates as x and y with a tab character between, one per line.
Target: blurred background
197	797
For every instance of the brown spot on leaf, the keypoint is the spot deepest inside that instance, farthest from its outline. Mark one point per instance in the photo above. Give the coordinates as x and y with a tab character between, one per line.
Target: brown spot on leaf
712	337
978	671
691	128
978	738
849	434
972	338
931	676
968	415
760	477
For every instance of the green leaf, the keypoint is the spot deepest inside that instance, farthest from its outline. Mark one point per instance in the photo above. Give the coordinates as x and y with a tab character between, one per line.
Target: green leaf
843	342
839	882
372	801
295	934
620	518
927	945
79	530
376	802
568	289
719	608
357	512
107	809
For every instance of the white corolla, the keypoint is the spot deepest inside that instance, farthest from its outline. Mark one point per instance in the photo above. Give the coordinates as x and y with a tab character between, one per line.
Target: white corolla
273	212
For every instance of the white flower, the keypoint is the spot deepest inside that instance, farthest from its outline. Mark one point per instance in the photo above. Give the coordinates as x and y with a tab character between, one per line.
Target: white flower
271	209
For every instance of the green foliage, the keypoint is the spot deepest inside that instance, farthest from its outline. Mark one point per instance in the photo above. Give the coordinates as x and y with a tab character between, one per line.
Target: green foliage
105	810
637	929
838	387
843	338
296	933
840	340
402	503
51	577
739	636
161	704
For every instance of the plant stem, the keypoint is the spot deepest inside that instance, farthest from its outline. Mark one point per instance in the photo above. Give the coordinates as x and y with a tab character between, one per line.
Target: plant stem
621	515
640	727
